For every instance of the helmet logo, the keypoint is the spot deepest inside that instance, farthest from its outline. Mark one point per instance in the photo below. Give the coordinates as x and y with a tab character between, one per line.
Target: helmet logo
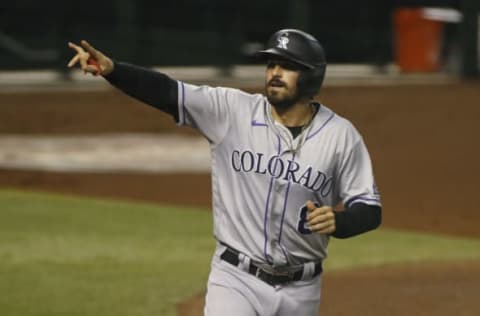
283	41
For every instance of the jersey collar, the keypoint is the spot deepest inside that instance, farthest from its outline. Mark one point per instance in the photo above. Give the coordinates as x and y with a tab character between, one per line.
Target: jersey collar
289	143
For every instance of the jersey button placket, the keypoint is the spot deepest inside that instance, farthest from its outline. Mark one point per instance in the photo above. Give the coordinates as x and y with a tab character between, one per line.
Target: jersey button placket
277	199
276	222
278	187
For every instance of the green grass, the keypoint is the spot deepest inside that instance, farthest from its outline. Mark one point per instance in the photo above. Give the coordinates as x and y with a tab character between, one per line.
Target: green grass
74	256
386	246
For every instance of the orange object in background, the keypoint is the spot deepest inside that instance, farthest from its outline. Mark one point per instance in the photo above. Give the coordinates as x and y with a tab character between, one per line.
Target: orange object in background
417	41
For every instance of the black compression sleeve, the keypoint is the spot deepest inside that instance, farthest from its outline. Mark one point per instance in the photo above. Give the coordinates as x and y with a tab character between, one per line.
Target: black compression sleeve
151	87
357	219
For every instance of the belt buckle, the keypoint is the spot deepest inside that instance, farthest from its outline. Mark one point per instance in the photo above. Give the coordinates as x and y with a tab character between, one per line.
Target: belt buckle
287	274
274	277
281	273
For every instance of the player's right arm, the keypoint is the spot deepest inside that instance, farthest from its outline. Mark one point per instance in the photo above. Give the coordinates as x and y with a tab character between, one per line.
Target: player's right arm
202	107
150	87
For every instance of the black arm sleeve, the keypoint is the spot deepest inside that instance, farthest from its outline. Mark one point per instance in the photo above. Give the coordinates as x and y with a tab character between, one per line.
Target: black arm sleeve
151	87
357	219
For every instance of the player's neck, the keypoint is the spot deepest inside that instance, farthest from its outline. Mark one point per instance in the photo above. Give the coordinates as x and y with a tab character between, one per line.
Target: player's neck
298	114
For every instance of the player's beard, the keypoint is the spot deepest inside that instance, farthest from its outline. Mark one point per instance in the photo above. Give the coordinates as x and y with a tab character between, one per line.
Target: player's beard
280	101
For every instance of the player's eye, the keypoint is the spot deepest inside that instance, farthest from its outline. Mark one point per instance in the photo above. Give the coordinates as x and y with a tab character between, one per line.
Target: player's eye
271	64
283	64
289	66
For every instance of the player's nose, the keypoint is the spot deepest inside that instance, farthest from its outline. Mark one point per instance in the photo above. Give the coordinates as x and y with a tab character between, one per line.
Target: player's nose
277	70
274	72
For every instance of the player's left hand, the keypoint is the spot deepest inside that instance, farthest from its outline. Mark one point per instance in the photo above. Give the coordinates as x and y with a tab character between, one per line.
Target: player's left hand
320	219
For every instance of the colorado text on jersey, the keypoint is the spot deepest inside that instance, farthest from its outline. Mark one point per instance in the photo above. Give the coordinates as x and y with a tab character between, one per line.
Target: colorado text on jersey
278	168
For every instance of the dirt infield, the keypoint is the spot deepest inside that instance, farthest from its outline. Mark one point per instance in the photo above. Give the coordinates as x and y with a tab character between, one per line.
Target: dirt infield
423	143
420	289
422	140
176	189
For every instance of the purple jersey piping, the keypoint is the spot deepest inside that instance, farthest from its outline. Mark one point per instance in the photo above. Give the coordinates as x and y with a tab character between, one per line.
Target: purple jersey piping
283	216
265	233
321	127
362	199
255	123
182	105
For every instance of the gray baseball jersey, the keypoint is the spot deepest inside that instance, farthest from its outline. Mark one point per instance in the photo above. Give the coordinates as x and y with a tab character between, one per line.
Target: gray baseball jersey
262	177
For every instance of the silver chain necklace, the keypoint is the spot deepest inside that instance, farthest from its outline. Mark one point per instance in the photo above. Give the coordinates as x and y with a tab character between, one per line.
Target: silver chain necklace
290	140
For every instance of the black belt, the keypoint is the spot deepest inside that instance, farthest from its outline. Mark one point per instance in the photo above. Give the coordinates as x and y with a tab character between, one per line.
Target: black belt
232	256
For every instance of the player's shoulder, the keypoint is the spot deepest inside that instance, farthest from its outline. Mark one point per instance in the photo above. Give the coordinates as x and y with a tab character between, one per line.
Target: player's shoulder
229	94
336	120
243	95
243	102
337	123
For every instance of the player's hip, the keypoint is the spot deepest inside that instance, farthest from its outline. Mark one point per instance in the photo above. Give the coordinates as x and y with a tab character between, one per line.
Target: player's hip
226	280
246	266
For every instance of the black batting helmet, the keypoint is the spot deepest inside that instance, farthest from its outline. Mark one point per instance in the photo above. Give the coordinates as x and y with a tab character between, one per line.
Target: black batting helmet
303	49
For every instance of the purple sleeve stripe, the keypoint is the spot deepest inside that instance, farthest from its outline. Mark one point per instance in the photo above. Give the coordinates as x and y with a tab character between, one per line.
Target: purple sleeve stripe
181	111
362	196
321	127
364	200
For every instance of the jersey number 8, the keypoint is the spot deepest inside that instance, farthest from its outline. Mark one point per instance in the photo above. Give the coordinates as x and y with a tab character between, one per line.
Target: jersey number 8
302	223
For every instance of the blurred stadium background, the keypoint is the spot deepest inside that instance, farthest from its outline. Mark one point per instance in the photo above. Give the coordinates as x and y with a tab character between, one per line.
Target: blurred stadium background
404	72
223	33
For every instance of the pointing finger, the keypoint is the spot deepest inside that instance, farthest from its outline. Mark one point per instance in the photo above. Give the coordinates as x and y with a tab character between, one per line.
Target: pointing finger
90	49
76	47
73	61
83	60
81	56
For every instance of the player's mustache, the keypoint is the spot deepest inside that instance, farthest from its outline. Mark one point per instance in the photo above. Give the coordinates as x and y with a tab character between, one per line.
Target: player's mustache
276	83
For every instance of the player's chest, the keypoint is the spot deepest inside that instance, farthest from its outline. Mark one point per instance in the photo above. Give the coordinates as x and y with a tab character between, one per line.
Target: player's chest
264	152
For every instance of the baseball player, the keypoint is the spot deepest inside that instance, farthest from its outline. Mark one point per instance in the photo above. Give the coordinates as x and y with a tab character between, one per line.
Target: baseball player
280	162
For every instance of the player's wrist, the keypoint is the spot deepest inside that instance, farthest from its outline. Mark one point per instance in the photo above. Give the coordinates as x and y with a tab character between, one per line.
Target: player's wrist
109	67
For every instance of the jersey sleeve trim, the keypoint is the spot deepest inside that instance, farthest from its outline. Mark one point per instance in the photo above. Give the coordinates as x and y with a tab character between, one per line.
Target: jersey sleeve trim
366	199
181	104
